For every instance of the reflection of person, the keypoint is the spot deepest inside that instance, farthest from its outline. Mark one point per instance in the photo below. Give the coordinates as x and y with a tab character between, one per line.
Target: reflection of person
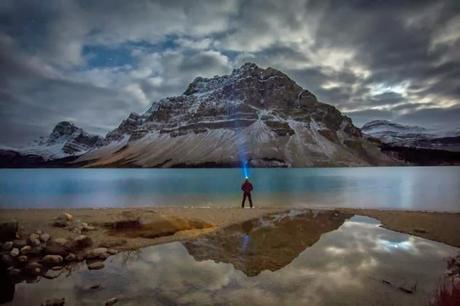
247	188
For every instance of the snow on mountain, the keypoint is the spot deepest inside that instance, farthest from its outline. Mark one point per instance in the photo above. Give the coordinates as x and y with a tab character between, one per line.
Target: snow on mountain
255	114
395	134
65	140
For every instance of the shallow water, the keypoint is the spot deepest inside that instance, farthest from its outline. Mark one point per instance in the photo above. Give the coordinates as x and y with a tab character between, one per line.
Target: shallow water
416	188
328	260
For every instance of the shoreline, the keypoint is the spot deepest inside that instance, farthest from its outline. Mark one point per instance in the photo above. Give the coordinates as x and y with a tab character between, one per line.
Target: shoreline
191	222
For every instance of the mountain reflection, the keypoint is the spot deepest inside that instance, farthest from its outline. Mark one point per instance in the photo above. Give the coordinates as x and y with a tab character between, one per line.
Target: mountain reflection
268	243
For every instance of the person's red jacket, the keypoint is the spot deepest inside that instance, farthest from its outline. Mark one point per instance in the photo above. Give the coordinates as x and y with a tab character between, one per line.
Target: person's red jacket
246	187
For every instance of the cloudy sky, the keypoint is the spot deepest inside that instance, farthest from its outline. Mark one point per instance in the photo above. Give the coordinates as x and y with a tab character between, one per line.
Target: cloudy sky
94	62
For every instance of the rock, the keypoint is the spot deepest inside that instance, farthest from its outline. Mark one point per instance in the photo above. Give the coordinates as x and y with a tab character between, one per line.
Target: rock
112	243
14	252
51	274
19	243
54	302
96	265
60	241
7	246
111	301
82	242
70	257
33	236
34	242
33	268
95	286
36	251
22	259
53	248
8	230
52	260
87	227
97	253
13	272
112	251
39	232
44	237
61	223
26	249
7	260
63	220
57	268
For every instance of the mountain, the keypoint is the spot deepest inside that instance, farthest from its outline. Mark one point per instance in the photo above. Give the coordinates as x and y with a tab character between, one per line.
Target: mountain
64	144
254	114
395	134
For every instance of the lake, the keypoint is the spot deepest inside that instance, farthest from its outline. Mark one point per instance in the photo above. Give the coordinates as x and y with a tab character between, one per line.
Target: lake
411	188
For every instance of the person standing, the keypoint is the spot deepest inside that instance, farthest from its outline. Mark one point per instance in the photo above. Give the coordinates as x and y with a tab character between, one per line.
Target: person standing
247	188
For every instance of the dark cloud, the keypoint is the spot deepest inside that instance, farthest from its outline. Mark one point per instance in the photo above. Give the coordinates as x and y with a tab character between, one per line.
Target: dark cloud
395	60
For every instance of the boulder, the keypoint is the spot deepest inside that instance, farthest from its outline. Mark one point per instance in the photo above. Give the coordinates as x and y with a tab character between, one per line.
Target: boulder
96	265
52	260
14	252
8	230
7	246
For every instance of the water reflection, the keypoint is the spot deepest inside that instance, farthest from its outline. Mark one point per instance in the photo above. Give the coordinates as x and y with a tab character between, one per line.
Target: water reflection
359	263
269	243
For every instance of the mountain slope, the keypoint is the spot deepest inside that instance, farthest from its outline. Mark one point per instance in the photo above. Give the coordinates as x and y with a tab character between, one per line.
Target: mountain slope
253	114
395	134
64	144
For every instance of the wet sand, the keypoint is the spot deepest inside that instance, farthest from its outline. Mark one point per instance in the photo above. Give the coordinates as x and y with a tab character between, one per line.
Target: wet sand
189	223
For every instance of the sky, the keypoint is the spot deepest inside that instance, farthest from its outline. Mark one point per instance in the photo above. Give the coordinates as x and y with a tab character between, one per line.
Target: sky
94	62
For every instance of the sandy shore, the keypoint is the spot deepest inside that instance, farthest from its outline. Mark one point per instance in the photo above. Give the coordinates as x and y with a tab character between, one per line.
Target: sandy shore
167	224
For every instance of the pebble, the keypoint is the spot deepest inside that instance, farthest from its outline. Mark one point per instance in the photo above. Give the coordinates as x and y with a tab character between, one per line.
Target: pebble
34	236
82	241
44	237
111	301
52	259
100	253
97	265
39	232
7	245
112	251
33	268
54	302
7	260
34	242
60	241
14	271
19	243
22	259
70	257
14	252
26	249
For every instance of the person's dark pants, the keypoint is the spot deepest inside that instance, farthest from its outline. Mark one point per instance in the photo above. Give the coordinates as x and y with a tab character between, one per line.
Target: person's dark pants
246	195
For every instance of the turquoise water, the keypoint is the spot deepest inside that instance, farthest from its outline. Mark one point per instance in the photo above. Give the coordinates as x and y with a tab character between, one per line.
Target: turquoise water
413	188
